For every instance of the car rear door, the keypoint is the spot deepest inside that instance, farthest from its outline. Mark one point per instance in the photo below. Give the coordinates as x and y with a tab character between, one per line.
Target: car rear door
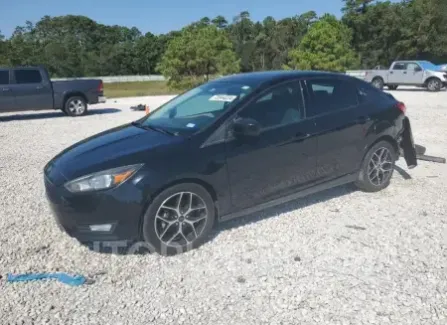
398	74
31	90
283	158
341	125
7	101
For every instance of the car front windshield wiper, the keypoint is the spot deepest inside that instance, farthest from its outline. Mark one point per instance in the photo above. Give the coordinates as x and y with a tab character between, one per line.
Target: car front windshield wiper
155	128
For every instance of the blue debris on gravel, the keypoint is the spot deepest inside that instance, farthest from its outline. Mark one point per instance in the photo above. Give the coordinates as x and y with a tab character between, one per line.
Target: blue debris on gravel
65	278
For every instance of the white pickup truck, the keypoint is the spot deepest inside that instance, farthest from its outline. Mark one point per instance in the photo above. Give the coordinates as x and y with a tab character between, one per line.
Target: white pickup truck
405	73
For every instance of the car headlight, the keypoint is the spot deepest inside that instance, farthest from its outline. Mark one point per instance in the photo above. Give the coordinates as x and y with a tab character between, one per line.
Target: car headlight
102	180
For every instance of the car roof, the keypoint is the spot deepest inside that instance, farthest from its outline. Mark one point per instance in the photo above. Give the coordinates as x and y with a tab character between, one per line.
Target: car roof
262	77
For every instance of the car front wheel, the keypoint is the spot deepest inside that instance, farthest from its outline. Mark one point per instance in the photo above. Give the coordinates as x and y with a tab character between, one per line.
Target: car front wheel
179	219
434	84
377	167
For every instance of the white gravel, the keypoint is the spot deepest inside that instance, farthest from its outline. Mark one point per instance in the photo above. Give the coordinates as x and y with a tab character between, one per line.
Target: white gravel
339	257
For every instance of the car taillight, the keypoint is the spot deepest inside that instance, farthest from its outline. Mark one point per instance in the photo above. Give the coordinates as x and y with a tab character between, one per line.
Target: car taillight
101	86
401	106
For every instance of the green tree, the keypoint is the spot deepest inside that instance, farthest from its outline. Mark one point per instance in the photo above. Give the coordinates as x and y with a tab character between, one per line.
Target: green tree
3	50
196	54
326	46
220	22
242	33
426	37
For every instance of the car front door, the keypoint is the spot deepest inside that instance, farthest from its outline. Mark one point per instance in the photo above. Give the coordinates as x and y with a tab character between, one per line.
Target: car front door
282	158
415	74
7	100
398	74
31	91
333	104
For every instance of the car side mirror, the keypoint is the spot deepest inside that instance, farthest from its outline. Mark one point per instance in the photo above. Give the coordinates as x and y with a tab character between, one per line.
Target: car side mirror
246	128
417	69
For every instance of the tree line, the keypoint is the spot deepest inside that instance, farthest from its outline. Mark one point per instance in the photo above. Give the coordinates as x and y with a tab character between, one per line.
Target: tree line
369	33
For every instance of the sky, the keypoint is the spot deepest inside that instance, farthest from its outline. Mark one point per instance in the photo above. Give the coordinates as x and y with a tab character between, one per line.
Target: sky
155	16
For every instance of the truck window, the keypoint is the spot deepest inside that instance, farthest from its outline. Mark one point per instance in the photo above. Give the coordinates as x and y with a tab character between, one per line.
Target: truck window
27	76
4	77
412	66
400	66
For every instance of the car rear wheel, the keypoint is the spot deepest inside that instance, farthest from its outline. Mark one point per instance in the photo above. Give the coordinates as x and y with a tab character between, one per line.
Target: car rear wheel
179	219
434	84
377	167
75	106
378	83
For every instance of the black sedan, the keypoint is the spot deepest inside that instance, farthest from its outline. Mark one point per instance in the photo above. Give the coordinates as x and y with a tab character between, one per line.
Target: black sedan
229	147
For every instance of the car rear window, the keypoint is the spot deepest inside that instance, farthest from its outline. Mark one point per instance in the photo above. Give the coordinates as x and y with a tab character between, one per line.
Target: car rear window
27	76
368	93
4	77
330	94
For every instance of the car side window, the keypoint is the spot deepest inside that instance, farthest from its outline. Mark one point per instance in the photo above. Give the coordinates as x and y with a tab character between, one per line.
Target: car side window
27	76
412	66
400	66
329	95
366	92
279	106
4	77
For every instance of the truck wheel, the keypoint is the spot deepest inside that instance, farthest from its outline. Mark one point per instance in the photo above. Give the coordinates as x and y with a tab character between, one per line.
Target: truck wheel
392	87
378	83
377	167
434	84
75	106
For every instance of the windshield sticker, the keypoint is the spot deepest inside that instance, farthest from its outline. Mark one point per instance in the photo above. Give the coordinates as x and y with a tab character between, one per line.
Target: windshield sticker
222	98
190	125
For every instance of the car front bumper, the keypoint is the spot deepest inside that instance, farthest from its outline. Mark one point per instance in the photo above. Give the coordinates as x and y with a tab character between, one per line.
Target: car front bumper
86	217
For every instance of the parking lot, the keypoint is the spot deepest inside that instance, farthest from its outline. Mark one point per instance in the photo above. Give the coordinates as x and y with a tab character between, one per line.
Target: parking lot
338	257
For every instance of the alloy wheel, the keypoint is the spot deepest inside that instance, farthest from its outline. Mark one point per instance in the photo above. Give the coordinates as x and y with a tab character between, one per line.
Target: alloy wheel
380	166
181	219
433	85
76	107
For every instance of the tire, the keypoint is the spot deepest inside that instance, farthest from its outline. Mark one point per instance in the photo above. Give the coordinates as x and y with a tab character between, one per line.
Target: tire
375	184
378	83
392	87
75	106
160	224
434	84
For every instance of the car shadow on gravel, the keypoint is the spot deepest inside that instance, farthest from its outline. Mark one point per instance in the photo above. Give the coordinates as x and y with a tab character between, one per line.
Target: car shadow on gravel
294	205
54	114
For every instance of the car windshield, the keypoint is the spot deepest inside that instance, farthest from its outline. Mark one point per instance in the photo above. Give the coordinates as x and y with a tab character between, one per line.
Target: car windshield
197	108
427	65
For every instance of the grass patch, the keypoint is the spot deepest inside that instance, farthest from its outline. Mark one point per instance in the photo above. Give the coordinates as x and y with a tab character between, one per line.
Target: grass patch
139	88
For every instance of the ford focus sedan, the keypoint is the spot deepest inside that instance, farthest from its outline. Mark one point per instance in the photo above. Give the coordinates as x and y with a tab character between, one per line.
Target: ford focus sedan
232	146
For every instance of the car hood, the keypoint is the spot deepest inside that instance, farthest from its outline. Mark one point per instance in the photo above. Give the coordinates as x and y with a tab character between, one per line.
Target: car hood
120	146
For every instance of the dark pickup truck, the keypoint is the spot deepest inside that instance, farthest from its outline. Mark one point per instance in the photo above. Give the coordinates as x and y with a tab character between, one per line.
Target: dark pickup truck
30	88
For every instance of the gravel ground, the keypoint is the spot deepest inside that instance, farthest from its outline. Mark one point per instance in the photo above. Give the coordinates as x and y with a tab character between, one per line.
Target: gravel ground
339	257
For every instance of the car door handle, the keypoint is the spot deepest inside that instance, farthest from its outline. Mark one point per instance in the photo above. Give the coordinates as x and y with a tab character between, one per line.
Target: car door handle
405	72
391	72
363	119
39	87
6	89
